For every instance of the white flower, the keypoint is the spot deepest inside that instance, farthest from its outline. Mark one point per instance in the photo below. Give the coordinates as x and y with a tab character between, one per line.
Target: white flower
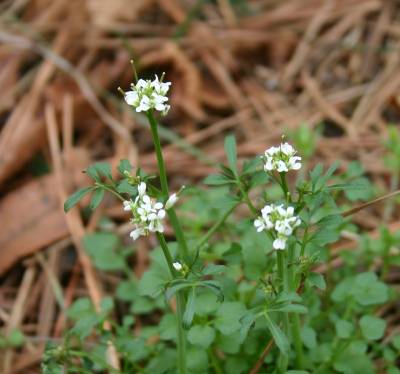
135	234
160	88
282	159
144	105
127	205
132	98
259	224
279	243
177	266
171	201
287	149
146	95
142	188
280	221
147	213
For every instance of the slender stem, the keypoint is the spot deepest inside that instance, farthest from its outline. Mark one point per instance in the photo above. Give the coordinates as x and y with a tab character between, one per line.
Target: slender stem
180	237
285	188
214	361
181	241
179	308
109	189
167	253
214	228
281	266
295	319
160	159
283	359
246	199
184	252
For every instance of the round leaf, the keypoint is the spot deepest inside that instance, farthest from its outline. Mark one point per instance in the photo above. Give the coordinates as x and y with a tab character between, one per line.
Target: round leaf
372	327
201	336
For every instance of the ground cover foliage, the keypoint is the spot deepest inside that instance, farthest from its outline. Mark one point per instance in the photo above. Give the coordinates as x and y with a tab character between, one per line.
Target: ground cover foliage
323	73
227	297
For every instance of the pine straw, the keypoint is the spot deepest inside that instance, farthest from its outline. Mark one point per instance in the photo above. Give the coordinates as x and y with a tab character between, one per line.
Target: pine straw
259	70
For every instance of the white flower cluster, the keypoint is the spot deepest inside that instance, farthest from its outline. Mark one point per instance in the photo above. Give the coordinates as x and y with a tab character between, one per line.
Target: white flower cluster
147	213
280	220
282	159
147	94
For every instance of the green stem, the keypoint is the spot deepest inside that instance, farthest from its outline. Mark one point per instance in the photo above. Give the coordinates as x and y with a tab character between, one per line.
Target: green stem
109	189
180	307
164	187
246	199
181	241
295	319
167	253
285	188
180	237
214	228
160	159
283	359
214	361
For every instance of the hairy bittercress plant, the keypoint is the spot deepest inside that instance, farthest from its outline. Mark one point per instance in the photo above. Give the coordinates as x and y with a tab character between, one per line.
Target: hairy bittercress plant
239	298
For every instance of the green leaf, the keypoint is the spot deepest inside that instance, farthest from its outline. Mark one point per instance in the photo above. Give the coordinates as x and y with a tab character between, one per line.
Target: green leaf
344	329
101	247
167	327
207	303
229	343
85	325
309	337
317	280
372	327
251	166
230	150
228	317
202	336
289	308
124	166
190	309
213	269
97	197
81	307
218	180
103	169
106	305
354	360
368	290
125	187
396	342
342	291
92	172
76	197
134	349
16	338
151	283
359	189
127	291
197	360
280	338
177	285
215	287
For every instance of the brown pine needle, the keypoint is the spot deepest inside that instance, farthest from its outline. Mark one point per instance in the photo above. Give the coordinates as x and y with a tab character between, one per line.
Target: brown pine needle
369	203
